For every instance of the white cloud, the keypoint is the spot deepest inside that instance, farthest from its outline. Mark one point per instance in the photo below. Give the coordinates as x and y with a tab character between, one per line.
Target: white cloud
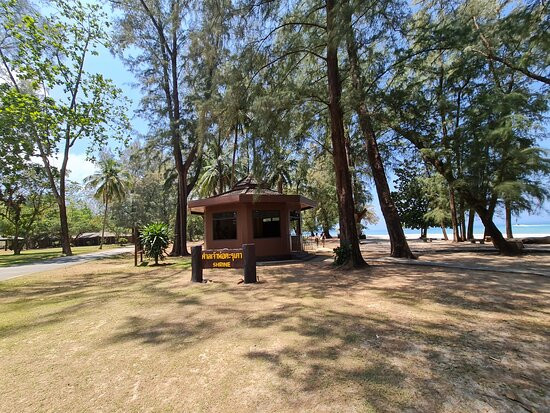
78	166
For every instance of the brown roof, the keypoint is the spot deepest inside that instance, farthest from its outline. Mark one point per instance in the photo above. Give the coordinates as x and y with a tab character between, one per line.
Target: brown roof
248	190
86	235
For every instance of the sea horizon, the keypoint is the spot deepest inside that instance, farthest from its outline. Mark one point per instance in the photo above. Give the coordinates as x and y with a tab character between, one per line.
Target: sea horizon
518	230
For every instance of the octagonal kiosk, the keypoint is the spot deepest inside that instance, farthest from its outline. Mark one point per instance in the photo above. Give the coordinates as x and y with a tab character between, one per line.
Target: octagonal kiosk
251	214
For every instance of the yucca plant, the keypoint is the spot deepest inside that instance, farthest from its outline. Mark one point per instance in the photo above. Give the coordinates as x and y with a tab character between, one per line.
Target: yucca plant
154	238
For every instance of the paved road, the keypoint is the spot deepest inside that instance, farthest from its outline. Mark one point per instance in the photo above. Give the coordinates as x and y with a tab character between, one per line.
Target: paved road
56	263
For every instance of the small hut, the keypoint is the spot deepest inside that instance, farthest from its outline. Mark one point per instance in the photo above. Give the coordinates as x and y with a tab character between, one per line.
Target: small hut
251	214
6	242
94	238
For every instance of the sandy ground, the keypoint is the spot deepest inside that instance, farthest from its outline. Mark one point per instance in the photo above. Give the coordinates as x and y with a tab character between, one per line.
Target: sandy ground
536	258
308	337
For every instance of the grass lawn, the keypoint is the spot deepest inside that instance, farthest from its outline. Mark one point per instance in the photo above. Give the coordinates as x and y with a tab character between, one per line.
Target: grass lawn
7	258
106	336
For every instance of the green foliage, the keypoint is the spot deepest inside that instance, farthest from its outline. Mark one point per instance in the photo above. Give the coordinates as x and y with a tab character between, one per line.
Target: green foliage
321	188
195	227
110	181
81	219
309	221
342	254
122	241
48	53
230	91
154	238
410	196
464	95
110	184
216	173
24	197
436	191
151	190
89	107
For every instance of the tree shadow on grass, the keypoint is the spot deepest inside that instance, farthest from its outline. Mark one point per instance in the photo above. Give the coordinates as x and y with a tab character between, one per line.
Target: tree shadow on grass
463	358
154	332
316	330
398	365
46	301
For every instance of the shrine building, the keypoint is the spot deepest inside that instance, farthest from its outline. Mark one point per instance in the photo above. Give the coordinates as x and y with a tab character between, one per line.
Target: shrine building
251	214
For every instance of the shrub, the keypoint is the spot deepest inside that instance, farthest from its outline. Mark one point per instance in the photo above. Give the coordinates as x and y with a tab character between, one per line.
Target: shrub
342	254
122	241
154	238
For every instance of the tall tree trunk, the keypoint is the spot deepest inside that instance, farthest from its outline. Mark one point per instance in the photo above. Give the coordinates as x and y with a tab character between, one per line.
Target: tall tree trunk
16	243
176	246
58	192
508	214
471	218
179	249
498	240
169	49
445	236
235	142
398	241
423	232
64	222
491	209
462	220
180	233
454	221
104	224
181	227
470	198
254	156
486	216
346	208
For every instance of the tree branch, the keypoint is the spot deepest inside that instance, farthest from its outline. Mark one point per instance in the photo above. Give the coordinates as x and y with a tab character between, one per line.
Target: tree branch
281	57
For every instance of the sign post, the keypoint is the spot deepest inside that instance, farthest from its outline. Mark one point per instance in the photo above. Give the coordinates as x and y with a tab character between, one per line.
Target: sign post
249	251
226	258
196	264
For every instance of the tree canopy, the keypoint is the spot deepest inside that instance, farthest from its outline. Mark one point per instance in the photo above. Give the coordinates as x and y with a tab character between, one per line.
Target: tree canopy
330	98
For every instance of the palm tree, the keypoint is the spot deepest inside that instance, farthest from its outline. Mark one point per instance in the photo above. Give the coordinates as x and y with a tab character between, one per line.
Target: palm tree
111	183
217	171
279	173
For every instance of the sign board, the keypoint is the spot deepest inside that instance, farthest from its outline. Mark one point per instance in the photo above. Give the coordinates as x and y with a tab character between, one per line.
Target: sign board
238	258
225	258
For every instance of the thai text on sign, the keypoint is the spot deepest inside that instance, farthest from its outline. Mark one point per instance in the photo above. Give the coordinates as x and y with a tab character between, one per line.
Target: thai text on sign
225	258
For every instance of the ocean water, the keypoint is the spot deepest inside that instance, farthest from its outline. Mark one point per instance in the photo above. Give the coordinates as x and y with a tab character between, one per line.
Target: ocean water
518	230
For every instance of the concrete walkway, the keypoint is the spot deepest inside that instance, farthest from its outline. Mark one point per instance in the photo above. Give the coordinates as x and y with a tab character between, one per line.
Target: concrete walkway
56	263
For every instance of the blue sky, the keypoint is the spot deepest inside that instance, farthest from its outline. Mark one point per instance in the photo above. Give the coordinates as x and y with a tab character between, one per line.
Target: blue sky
113	68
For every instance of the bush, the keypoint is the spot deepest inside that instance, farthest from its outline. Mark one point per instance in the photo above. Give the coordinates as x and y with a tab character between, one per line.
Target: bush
154	238
342	254
122	241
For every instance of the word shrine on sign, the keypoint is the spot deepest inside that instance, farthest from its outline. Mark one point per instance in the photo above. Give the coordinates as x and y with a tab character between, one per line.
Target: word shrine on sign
222	258
244	258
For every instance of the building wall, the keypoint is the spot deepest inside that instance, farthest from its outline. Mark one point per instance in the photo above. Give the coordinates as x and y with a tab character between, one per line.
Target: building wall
278	247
